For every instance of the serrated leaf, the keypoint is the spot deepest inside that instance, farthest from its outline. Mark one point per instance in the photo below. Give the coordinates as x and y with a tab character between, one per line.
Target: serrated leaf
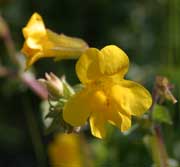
160	114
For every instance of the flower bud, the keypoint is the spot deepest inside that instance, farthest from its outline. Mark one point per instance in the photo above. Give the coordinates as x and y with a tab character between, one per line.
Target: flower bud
53	84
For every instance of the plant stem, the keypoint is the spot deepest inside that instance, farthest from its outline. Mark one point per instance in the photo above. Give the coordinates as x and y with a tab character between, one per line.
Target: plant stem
163	157
156	130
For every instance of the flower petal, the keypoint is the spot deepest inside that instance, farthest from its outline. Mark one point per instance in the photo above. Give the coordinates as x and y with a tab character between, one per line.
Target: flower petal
97	124
28	52
133	98
77	110
87	67
115	114
33	59
116	118
35	32
113	60
97	118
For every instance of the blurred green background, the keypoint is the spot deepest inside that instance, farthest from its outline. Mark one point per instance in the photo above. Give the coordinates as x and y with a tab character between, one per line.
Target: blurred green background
148	31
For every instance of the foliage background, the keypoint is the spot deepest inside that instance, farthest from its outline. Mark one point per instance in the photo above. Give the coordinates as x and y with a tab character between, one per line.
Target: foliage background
148	31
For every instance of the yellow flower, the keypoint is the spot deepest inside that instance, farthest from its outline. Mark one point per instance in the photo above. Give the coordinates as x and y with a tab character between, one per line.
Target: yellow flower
107	97
65	151
41	42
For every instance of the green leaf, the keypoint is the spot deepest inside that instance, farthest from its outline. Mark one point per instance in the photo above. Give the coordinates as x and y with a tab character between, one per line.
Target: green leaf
160	114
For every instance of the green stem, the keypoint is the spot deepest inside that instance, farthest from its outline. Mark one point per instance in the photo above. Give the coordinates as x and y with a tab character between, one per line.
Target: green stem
163	157
156	130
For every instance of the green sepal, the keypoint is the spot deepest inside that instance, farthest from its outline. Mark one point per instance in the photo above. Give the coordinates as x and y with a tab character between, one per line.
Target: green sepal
67	89
78	87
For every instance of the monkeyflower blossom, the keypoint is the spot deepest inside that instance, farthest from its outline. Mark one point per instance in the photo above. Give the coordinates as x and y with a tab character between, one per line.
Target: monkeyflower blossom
41	42
65	150
106	97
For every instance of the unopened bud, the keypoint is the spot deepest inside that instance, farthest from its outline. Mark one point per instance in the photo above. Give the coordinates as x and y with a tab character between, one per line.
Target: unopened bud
53	84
